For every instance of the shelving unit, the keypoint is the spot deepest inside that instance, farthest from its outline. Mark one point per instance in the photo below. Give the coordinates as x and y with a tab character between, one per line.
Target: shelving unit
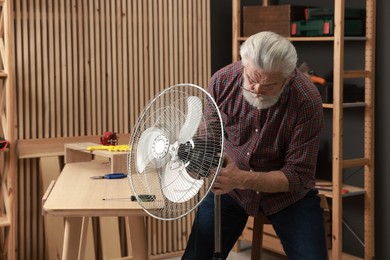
338	161
7	157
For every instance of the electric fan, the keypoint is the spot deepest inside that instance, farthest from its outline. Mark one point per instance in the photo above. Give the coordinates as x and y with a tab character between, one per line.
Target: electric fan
176	153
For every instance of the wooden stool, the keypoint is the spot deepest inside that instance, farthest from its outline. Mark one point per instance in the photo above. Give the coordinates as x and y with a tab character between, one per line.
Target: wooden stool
261	220
257	237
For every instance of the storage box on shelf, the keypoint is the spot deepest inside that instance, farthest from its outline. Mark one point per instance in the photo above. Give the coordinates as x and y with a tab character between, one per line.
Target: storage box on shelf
276	18
324	27
320	22
291	20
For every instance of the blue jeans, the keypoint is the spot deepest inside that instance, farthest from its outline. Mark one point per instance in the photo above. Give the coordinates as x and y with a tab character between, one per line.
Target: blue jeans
300	228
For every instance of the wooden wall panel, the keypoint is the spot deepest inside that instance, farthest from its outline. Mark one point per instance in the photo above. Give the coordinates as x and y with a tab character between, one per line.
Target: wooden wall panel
85	67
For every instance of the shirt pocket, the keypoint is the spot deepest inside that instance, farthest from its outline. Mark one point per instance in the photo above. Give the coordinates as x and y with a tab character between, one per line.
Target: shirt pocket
236	132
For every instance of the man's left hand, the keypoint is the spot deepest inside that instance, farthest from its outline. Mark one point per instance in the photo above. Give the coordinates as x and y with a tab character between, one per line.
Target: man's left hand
228	178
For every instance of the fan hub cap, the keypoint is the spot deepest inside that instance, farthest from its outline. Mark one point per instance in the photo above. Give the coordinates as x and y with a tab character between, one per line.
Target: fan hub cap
160	146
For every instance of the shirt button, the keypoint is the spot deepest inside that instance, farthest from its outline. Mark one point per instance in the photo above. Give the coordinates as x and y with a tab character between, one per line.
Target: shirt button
257	192
248	154
256	130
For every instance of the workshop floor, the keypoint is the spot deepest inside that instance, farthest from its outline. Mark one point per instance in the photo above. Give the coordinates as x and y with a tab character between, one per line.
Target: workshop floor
245	254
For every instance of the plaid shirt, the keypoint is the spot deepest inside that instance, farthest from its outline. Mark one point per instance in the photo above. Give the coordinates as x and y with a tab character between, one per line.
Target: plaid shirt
284	137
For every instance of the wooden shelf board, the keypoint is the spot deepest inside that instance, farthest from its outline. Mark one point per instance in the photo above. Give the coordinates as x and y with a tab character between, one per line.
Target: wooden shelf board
311	39
344	256
315	39
358	162
353	104
34	148
355	74
325	185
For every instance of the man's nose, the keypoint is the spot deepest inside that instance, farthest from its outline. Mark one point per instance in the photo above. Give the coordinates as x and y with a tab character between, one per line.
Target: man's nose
257	88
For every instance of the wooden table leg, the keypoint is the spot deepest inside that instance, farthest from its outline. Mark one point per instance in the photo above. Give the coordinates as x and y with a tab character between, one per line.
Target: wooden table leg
72	236
83	237
50	169
110	238
138	237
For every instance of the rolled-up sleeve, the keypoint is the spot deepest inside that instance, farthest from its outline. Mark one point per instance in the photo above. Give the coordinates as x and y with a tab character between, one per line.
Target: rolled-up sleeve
302	150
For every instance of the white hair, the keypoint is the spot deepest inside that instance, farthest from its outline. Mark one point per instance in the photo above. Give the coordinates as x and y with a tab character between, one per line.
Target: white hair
270	52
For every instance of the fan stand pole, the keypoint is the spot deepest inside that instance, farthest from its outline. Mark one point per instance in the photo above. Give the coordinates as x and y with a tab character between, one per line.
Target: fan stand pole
217	228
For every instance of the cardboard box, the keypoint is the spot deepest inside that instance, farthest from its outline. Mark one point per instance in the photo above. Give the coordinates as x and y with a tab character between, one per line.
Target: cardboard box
276	18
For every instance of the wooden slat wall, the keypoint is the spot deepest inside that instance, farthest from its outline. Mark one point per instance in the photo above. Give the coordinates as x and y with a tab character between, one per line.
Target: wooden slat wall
85	67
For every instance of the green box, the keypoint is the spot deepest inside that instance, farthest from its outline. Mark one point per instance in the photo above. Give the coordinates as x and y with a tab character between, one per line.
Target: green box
328	13
352	27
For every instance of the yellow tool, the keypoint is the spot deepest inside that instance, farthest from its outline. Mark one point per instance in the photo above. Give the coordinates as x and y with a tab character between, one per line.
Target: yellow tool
110	148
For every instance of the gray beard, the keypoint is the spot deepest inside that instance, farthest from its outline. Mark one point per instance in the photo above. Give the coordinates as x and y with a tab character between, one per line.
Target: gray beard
261	102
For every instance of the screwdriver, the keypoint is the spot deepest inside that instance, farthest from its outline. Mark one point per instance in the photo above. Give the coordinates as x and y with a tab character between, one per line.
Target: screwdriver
117	175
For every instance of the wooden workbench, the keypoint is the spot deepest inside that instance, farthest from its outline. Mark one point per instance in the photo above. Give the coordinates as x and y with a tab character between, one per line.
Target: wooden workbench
77	197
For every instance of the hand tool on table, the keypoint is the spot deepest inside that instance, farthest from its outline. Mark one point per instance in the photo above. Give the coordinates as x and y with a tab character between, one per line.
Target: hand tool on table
142	197
117	175
110	148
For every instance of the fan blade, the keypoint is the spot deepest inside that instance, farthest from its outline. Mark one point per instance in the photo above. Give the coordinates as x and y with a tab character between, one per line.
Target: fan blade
193	118
177	185
144	147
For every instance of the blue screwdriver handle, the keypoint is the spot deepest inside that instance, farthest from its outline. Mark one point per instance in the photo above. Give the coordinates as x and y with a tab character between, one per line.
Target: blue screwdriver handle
115	176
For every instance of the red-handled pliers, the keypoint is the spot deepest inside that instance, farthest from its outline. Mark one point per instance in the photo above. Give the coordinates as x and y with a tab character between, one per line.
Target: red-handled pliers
117	175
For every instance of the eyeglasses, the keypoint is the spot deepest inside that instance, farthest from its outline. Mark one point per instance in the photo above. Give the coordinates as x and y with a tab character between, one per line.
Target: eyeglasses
261	85
269	86
265	86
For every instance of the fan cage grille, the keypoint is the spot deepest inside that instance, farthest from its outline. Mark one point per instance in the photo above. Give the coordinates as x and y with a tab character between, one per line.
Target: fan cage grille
202	155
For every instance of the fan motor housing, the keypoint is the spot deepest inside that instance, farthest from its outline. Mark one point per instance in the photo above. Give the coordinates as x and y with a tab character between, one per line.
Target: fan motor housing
160	146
